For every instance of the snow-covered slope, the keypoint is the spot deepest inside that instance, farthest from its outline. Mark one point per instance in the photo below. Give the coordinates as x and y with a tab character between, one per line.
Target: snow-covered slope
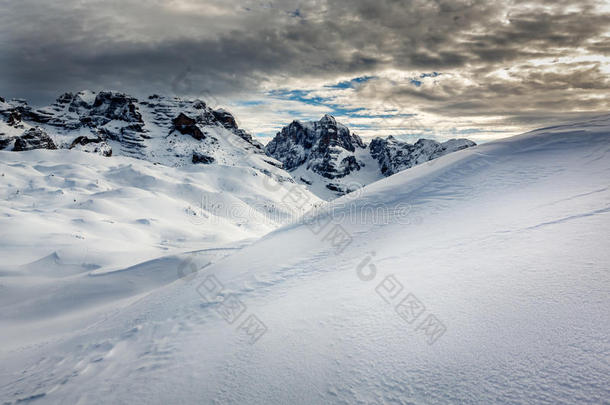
71	221
84	202
161	174
480	277
332	161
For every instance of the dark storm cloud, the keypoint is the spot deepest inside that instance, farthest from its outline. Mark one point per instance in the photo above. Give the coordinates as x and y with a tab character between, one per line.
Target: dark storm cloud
186	46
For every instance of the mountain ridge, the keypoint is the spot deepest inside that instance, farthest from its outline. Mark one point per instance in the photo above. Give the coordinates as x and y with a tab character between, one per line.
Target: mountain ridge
324	156
332	161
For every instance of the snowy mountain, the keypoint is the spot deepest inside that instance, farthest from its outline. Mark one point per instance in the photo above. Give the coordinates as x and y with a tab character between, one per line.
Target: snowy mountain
479	277
332	161
395	156
167	130
320	145
324	156
160	176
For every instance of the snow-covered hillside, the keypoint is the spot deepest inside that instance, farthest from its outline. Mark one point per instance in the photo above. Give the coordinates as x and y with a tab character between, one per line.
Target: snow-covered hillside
71	221
480	277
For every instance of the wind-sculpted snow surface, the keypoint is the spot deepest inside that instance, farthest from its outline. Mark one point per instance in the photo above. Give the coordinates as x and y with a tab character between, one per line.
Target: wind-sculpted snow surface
493	287
74	228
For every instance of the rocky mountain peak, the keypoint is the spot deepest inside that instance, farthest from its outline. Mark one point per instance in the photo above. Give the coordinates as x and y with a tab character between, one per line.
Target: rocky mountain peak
328	121
65	98
116	106
394	155
320	145
327	153
225	118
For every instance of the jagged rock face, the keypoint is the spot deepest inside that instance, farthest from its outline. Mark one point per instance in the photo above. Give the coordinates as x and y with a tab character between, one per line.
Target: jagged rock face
95	145
321	146
79	103
11	114
333	134
5	142
188	126
65	98
33	138
394	155
116	106
225	118
14	118
331	161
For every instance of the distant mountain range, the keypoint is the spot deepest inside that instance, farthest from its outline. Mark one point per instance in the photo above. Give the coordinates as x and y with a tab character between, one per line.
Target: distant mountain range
324	156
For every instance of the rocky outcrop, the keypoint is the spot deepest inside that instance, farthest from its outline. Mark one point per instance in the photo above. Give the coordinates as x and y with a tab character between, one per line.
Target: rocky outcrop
394	155
93	145
14	118
33	138
321	146
79	103
5	141
11	114
187	126
65	98
115	106
225	118
201	158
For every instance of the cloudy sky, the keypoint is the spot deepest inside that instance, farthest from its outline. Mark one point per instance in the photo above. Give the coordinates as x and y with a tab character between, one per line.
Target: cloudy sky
469	68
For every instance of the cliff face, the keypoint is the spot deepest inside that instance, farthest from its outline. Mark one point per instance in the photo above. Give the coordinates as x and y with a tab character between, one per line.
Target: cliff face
325	147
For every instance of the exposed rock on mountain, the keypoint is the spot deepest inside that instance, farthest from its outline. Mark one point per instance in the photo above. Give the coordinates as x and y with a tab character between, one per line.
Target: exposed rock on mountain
225	118
201	158
320	146
248	138
96	145
331	161
115	106
188	126
33	138
394	155
14	118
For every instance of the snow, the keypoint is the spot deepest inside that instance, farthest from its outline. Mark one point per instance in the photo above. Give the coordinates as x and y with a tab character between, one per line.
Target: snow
355	180
67	215
505	244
